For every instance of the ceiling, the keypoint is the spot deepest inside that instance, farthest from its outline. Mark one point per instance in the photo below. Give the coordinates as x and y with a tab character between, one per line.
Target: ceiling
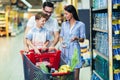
38	3
35	3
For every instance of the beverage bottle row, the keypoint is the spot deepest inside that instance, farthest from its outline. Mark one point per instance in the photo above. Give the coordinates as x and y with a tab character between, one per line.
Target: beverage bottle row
101	43
100	21
117	76
115	15
98	4
115	1
116	27
116	40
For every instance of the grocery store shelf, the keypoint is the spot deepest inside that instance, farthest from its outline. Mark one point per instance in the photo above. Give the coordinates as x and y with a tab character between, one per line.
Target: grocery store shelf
96	29
2	12
97	75
2	25
117	57
3	22
116	71
17	31
116	6
100	54
99	9
116	46
2	33
2	18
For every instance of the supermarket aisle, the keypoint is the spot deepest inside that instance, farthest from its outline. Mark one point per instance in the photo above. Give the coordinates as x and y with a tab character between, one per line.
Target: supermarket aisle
11	67
10	59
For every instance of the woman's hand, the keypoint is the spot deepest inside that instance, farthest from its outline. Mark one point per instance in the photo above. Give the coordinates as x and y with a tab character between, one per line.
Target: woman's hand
74	38
63	45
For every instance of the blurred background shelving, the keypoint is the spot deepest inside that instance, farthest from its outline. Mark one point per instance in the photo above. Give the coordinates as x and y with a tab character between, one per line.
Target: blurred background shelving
105	37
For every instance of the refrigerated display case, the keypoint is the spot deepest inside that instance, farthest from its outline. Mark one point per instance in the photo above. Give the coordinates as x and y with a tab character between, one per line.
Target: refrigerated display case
105	39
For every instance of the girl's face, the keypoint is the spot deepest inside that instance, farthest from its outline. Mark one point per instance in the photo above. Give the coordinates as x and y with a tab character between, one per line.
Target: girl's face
67	15
41	22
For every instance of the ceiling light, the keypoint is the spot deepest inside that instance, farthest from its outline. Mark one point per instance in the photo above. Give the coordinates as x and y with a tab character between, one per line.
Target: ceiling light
27	3
34	10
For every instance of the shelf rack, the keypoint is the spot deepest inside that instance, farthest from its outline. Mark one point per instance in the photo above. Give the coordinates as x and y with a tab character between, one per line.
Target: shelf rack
4	23
109	9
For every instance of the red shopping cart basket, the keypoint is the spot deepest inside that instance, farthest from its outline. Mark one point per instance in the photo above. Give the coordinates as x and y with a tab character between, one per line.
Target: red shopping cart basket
31	72
52	57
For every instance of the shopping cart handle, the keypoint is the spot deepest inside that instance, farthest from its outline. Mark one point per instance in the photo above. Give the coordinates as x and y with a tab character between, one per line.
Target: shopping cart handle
47	50
22	51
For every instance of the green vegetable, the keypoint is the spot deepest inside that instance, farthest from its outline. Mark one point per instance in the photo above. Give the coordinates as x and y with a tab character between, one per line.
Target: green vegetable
43	67
75	59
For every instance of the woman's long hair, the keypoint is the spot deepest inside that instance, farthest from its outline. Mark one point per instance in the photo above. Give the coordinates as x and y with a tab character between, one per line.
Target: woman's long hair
71	9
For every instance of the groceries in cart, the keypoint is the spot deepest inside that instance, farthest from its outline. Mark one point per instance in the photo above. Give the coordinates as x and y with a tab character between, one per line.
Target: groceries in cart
46	66
43	66
48	62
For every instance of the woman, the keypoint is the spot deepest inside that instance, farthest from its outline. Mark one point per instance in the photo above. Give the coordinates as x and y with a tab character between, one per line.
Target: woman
72	32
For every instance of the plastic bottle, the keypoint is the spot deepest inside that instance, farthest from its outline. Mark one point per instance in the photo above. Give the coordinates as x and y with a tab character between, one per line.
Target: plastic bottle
117	76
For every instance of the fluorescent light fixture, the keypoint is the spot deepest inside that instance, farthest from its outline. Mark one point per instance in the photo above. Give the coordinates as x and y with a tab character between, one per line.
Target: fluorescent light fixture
34	10
27	3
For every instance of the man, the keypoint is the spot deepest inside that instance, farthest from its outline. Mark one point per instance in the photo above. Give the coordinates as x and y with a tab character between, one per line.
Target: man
51	25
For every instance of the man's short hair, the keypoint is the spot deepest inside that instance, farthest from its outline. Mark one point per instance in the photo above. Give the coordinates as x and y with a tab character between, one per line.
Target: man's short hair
49	4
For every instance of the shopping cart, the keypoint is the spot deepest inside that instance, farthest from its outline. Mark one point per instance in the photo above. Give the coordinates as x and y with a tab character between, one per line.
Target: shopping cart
31	72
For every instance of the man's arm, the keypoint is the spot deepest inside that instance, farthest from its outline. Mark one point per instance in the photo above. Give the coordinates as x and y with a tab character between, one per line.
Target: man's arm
56	39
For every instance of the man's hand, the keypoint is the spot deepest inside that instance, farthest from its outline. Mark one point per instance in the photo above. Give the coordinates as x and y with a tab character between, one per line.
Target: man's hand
44	48
51	48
